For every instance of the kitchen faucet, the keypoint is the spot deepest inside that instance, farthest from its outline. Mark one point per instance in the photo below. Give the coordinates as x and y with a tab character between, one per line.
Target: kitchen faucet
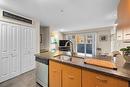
72	50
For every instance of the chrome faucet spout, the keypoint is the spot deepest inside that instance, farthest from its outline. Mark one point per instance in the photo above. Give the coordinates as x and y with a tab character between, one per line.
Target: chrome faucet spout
72	51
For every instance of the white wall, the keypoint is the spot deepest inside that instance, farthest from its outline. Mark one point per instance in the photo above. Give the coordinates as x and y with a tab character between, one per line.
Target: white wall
104	45
36	25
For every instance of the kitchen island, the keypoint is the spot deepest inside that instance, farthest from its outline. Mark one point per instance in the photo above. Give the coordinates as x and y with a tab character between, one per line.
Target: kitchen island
87	74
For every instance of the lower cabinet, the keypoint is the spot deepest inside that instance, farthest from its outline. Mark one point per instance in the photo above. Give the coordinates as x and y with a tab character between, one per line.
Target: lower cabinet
61	75
71	76
92	79
54	74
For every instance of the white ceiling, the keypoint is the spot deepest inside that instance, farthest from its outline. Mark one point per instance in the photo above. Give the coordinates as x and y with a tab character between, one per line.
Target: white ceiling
66	14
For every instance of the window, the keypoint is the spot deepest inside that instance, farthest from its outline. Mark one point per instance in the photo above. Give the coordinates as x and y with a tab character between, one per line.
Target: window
84	44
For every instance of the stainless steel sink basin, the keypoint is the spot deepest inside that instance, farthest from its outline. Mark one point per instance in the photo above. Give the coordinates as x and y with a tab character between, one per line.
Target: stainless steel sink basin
67	57
64	57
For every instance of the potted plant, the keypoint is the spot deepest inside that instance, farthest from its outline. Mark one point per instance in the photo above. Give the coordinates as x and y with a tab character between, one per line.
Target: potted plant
126	53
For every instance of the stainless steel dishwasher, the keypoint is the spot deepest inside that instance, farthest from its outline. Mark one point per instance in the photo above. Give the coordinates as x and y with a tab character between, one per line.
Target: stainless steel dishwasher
42	71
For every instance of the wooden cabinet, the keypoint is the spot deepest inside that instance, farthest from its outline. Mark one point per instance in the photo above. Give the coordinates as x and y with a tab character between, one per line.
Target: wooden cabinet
92	79
71	76
88	79
54	74
123	13
61	75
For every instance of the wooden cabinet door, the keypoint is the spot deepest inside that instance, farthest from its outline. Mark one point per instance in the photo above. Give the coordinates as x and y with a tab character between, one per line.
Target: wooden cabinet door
92	79
71	76
107	81
88	79
54	74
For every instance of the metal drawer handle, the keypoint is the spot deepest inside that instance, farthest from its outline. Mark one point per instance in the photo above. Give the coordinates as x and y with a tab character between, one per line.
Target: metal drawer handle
54	71
101	79
70	77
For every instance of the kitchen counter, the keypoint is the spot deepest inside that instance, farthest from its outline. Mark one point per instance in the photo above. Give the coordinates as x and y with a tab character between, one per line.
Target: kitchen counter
122	72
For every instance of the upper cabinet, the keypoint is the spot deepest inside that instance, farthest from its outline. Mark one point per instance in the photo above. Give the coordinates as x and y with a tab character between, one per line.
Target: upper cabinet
123	27
124	13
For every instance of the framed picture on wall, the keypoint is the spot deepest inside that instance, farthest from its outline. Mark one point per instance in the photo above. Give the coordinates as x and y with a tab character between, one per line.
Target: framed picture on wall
103	37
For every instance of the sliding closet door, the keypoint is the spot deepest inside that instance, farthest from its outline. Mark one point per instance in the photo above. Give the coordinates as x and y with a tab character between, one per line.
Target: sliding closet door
4	52
27	47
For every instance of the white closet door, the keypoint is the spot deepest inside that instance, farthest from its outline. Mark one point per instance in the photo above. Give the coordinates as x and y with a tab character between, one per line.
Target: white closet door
28	62
9	51
14	50
17	47
32	47
4	52
24	52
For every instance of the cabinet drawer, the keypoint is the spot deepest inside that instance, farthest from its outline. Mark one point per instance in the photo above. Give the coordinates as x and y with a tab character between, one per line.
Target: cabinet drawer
107	81
92	79
71	76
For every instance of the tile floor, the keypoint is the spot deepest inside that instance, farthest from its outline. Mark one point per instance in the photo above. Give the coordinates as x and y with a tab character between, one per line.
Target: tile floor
24	80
